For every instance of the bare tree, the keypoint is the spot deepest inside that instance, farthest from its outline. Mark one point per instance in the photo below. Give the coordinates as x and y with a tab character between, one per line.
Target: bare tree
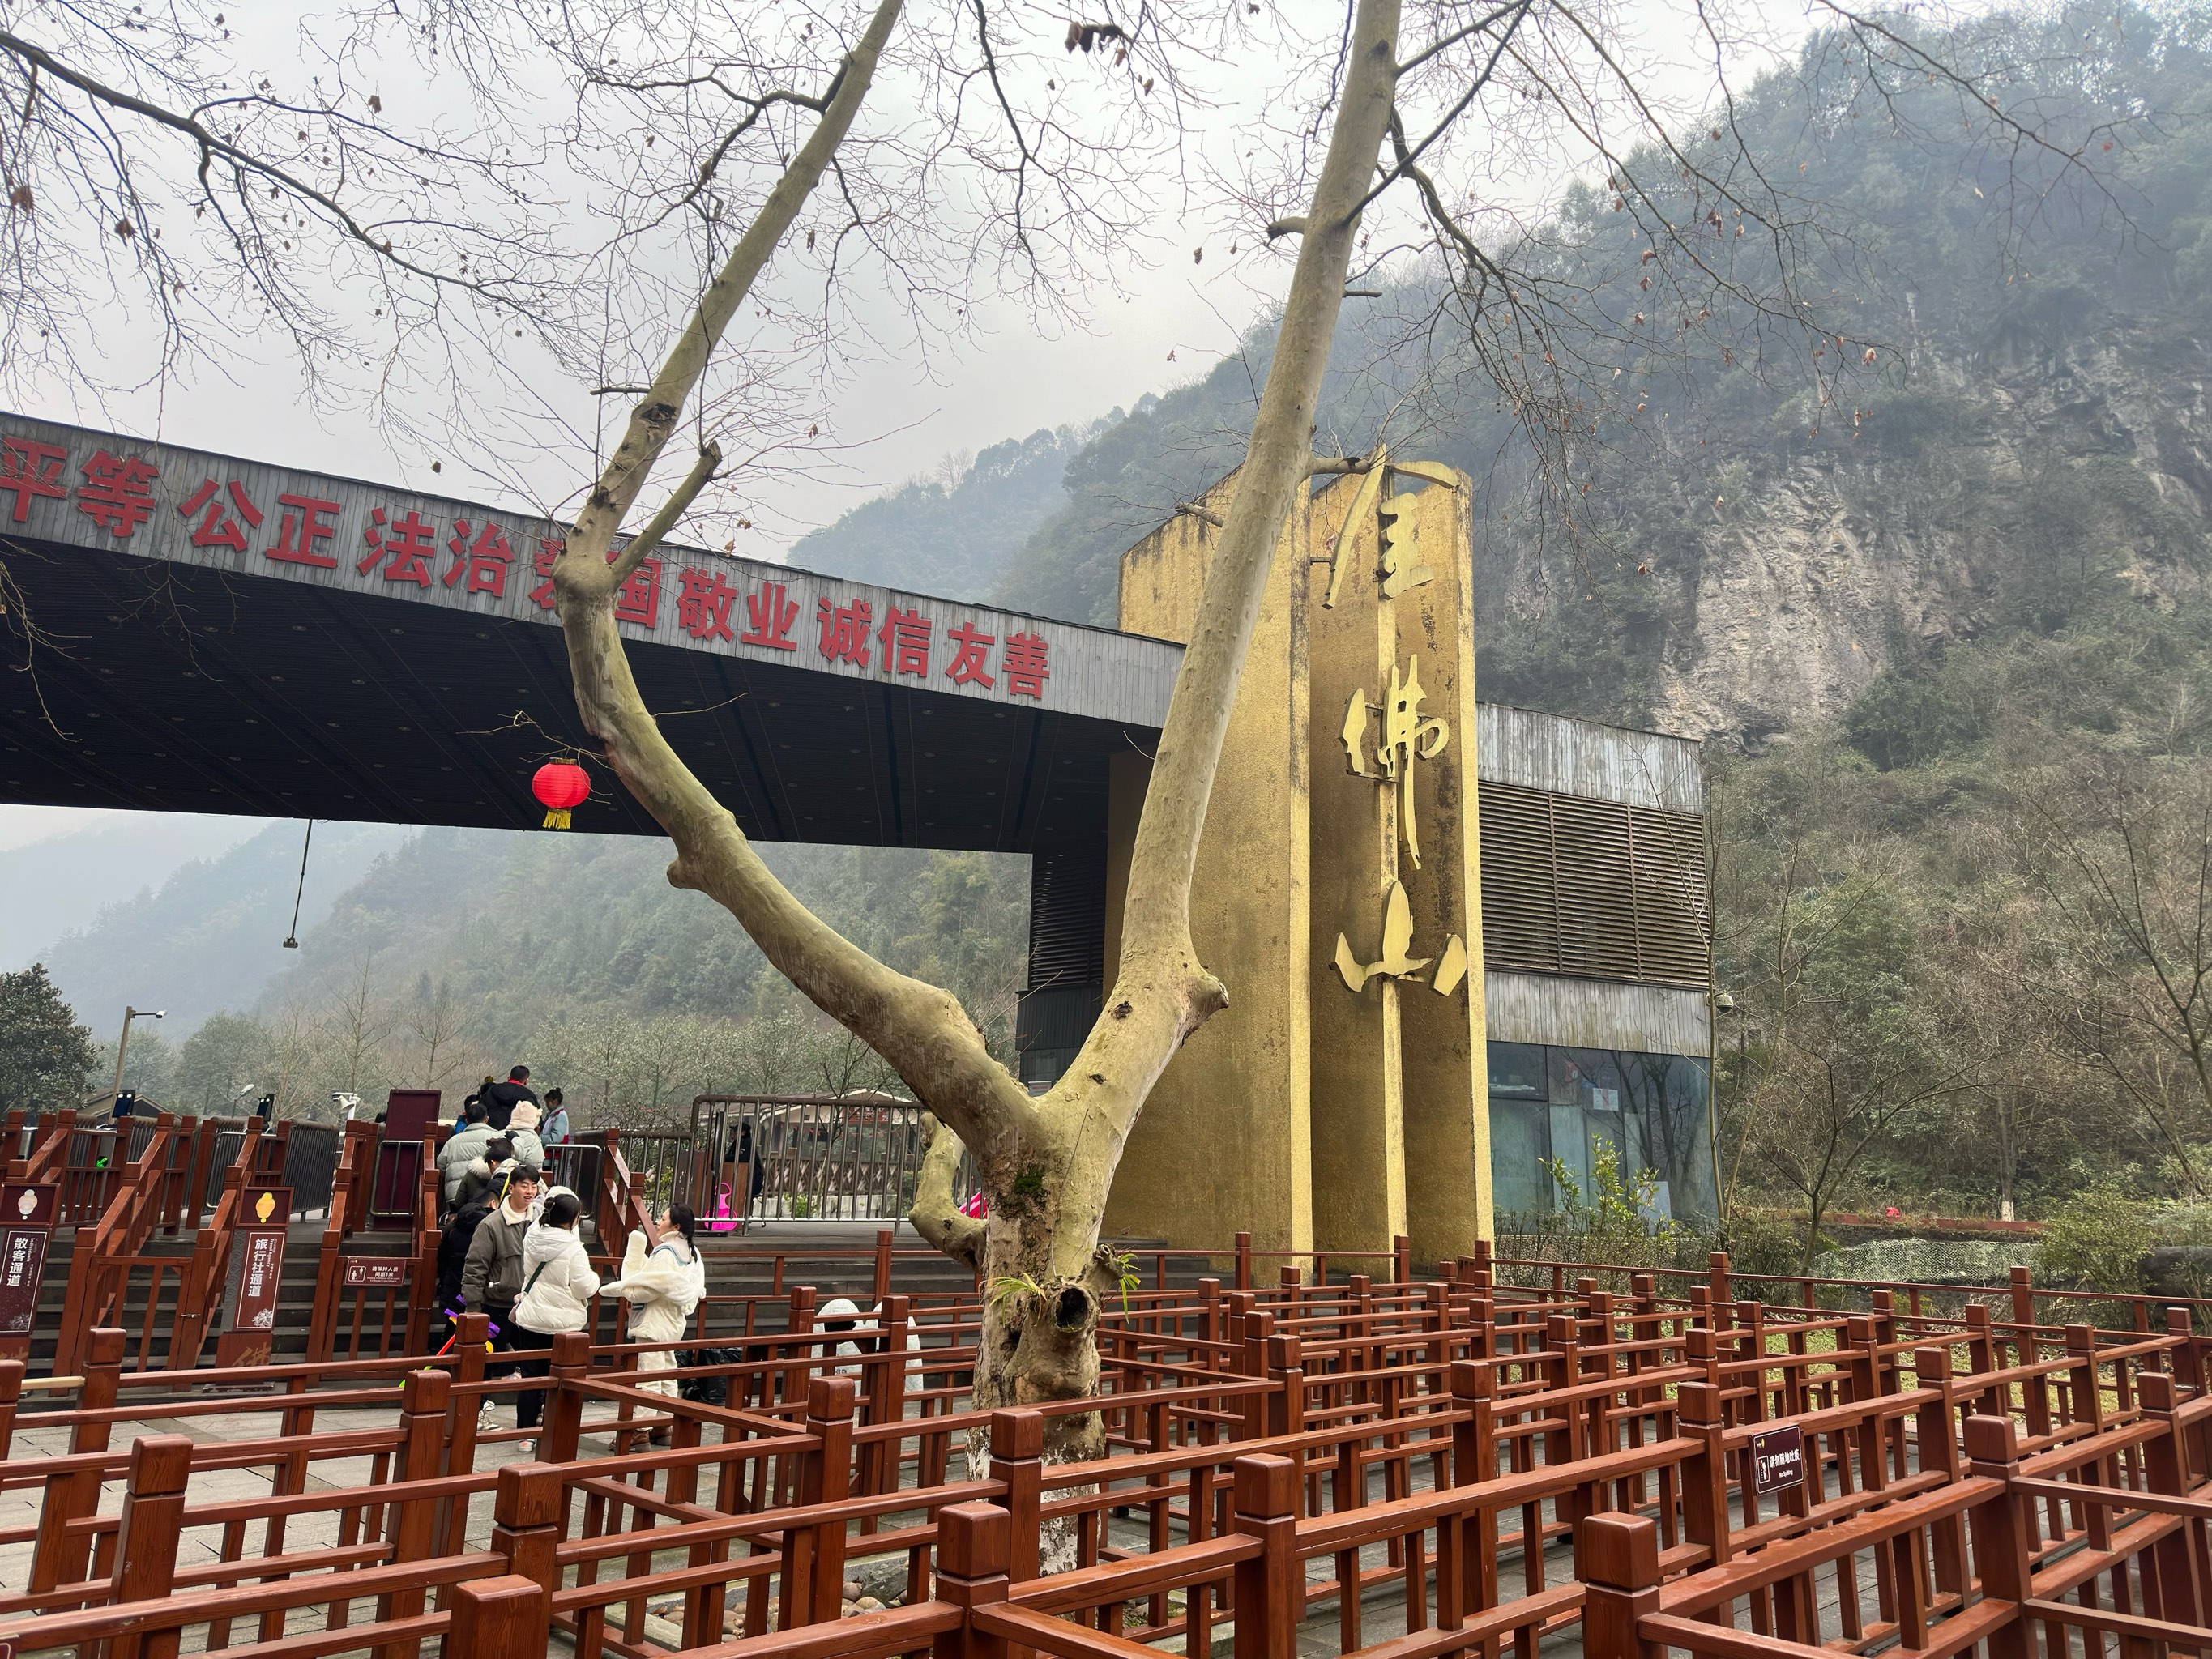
2119	851
440	1022
1833	1090
357	1021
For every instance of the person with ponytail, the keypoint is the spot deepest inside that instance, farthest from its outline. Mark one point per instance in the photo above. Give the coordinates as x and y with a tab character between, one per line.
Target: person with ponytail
664	1286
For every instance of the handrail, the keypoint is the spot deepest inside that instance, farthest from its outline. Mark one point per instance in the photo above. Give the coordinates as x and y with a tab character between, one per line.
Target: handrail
95	1270
347	1192
210	1262
49	1156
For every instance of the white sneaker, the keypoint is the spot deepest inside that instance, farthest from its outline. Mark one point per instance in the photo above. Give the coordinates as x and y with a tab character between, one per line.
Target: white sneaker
527	1447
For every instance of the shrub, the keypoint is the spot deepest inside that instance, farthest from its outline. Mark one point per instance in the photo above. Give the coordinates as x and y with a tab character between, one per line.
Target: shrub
2097	1240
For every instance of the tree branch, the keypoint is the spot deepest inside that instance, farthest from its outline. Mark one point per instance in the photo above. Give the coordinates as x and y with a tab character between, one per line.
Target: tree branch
657	528
921	1030
935	1215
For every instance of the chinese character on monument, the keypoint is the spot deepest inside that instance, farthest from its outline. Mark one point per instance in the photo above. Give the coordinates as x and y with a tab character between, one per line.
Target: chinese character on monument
905	637
409	547
1024	665
845	630
302	527
639	598
117	494
30	468
549	551
972	656
484	560
1406	737
703	599
771	616
222	526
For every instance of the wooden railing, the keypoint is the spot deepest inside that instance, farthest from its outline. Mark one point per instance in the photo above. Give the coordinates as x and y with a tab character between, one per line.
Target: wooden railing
100	1268
1313	1451
203	1277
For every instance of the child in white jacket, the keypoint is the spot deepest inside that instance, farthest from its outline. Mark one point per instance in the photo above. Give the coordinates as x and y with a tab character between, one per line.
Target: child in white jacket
558	1288
664	1286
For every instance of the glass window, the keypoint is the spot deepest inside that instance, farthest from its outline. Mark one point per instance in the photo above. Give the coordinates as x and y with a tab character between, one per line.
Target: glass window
1517	1070
1589	1078
1518	1146
1649	1108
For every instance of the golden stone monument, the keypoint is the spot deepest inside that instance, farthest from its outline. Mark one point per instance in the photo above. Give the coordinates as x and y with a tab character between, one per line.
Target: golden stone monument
1341	1099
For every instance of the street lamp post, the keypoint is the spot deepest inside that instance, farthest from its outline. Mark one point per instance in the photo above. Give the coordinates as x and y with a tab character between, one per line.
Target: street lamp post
123	1043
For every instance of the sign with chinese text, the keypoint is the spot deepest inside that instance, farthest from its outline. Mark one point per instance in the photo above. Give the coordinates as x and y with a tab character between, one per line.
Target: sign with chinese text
257	1273
28	1212
64	484
375	1275
1777	1460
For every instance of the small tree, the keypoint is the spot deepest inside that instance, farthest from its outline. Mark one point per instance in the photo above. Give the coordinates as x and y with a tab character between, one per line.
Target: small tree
2119	851
45	1050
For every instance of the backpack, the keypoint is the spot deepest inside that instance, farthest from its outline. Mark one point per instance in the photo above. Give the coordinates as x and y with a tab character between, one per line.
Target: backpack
706	1390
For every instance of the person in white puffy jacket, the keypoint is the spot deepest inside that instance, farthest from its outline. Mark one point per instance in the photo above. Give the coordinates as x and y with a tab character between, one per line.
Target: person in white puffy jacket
663	1285
558	1288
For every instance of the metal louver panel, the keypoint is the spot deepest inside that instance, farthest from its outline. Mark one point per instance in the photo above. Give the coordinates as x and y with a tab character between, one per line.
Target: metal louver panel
1520	899
1674	910
1595	888
1067	918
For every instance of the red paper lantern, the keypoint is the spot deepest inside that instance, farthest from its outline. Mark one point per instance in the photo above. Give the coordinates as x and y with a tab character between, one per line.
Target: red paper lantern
559	785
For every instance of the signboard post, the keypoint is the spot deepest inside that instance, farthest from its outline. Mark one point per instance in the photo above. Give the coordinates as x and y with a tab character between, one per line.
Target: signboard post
257	1274
1777	1460
28	1213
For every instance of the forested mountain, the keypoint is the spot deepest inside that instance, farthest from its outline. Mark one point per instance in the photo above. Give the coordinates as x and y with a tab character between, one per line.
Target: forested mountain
1759	534
952	535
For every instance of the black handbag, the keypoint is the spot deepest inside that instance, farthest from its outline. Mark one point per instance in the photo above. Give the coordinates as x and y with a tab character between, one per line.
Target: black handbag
706	1390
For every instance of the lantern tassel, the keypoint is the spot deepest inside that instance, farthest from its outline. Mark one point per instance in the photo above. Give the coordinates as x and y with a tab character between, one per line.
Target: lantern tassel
557	818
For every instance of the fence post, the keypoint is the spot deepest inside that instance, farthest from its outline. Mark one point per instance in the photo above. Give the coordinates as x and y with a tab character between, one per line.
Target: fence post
466	1359
1243	1262
1474	1460
1705	1471
564	1408
59	1558
498	1619
1018	1459
1402	1258
972	1544
1270	1591
423	1291
1619	1566
11	1394
2172	1590
412	1529
814	1560
1717	1285
526	1516
1938	1442
146	1545
884	1235
1999	1528
1254	1330
798	1322
1286	1400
